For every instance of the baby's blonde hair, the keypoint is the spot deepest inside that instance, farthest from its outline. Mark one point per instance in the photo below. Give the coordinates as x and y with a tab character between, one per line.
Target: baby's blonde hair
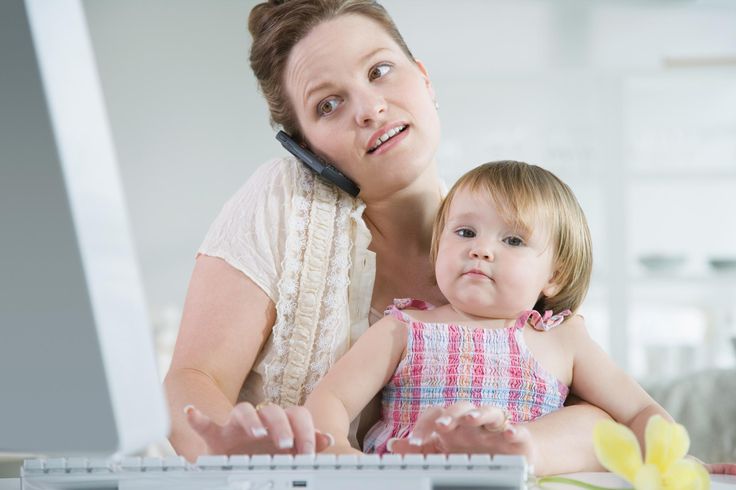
528	196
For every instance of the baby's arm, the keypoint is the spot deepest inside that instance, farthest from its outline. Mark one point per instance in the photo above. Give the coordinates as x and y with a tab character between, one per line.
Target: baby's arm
355	379
598	380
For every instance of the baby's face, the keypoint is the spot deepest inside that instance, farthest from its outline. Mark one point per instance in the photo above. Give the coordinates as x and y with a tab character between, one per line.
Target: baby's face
485	267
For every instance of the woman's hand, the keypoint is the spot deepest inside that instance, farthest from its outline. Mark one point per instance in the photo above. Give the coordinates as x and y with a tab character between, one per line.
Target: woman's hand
269	429
464	428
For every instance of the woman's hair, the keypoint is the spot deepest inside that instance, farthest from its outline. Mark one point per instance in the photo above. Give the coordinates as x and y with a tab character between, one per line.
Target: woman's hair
529	197
278	25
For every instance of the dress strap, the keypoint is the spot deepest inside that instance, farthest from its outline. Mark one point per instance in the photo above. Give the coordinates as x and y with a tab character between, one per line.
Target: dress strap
399	304
539	322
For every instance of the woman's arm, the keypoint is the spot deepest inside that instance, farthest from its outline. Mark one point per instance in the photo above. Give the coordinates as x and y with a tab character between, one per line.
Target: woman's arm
355	379
227	319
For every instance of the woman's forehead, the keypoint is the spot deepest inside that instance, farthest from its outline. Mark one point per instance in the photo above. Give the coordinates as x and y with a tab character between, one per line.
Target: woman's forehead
333	48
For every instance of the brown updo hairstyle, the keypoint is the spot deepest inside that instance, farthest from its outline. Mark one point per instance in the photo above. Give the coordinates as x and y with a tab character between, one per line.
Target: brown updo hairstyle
276	27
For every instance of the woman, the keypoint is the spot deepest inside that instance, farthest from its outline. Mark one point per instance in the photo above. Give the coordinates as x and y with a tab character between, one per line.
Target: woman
294	270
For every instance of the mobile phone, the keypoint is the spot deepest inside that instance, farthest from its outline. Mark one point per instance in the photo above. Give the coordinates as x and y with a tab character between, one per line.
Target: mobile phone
317	165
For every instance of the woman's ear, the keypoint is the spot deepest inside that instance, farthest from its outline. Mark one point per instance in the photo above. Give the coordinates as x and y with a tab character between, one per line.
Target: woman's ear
427	81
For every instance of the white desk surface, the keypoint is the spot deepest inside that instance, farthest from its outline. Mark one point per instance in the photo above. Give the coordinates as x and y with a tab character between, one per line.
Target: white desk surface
718	482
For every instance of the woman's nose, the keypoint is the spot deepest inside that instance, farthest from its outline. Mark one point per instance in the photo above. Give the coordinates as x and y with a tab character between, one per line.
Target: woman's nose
370	107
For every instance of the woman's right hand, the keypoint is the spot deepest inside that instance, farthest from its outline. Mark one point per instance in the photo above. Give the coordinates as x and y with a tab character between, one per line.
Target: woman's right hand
269	429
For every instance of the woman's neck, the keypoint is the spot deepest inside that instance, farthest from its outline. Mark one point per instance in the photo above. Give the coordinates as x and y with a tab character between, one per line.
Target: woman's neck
404	218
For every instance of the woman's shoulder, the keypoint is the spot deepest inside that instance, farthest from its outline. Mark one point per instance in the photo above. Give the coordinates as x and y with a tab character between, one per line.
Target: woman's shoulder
277	172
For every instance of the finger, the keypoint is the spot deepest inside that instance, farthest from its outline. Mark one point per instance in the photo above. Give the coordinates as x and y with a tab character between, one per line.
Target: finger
453	414
425	425
277	424
245	416
302	426
402	446
201	423
490	418
323	440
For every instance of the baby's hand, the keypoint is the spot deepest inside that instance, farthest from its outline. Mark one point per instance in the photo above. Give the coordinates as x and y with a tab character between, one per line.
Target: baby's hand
464	428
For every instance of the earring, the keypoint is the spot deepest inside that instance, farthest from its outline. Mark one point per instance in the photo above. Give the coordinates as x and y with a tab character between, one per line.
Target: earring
436	105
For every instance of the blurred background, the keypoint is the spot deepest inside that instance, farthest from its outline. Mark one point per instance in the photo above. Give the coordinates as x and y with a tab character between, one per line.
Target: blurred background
633	103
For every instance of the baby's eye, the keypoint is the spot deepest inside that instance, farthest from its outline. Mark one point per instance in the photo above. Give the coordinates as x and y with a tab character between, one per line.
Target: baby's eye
378	71
514	241
327	106
465	233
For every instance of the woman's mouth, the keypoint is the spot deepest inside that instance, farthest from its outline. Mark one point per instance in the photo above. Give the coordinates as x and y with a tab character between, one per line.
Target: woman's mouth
387	136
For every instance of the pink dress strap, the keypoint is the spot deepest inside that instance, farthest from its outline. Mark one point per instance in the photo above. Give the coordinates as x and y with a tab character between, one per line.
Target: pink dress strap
539	322
408	303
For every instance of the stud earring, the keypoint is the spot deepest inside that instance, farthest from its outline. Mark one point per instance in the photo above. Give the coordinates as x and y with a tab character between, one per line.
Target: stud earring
436	105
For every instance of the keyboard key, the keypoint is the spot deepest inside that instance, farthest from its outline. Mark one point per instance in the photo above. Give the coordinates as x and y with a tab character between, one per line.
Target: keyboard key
458	461
347	460
99	465
282	461
239	462
131	463
326	461
414	461
56	465
438	461
152	464
34	466
174	463
391	461
369	461
212	462
76	465
480	461
304	461
260	461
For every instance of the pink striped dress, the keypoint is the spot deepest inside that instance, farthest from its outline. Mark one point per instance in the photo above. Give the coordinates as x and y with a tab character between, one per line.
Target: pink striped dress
447	363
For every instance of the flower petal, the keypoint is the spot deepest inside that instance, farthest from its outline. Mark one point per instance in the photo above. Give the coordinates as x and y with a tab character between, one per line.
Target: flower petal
617	449
648	478
686	474
666	442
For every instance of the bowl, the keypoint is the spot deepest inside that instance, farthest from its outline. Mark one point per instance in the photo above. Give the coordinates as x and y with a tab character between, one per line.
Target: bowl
723	264
662	262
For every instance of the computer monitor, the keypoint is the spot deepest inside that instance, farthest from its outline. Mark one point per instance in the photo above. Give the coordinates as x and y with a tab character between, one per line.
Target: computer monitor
77	365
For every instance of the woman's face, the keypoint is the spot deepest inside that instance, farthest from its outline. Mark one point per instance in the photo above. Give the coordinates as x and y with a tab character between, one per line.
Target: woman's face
363	105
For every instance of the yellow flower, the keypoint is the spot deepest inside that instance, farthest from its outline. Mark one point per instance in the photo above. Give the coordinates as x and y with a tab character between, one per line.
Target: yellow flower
664	467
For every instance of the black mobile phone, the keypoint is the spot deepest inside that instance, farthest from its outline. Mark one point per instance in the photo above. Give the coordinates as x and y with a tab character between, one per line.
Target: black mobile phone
317	165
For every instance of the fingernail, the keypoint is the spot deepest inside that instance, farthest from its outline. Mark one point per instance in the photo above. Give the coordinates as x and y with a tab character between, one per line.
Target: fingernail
444	420
390	444
189	408
415	441
510	430
259	431
473	414
286	443
330	438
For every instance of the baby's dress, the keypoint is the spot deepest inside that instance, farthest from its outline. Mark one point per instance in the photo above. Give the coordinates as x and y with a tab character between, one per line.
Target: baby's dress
446	363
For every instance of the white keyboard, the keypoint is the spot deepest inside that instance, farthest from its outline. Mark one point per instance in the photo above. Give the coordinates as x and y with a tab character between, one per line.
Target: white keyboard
280	472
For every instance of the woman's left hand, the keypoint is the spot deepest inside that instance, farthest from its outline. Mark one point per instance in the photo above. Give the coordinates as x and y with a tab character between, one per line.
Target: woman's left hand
465	428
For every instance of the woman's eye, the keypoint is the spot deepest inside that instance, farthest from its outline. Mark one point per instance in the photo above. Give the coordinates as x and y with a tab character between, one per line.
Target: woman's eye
514	241
465	233
327	107
378	71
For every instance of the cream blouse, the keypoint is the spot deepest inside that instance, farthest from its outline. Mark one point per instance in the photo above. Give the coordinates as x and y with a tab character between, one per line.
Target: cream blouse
305	244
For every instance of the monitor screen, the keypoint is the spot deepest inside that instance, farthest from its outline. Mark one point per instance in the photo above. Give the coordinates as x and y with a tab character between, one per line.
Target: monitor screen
77	365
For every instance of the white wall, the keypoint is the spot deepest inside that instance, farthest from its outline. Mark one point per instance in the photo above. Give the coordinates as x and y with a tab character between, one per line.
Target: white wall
615	96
